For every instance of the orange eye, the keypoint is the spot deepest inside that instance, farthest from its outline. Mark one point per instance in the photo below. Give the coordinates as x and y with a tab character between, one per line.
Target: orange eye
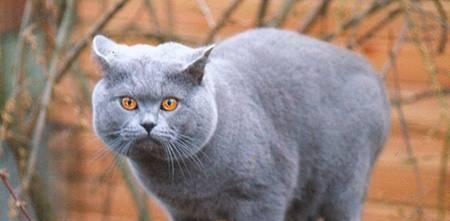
169	104
128	103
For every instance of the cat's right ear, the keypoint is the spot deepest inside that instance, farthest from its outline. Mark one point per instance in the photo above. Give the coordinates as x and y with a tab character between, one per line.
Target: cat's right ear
104	50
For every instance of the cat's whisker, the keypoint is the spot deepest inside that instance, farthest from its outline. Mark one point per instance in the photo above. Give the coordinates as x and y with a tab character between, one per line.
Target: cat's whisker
99	154
192	157
172	169
178	157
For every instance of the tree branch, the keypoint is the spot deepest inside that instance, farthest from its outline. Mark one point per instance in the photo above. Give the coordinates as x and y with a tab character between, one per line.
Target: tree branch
444	25
262	10
222	20
376	6
18	203
313	16
283	13
152	13
378	26
206	13
81	44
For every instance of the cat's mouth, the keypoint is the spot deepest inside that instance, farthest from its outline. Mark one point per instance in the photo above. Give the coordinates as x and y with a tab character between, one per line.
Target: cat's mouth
147	145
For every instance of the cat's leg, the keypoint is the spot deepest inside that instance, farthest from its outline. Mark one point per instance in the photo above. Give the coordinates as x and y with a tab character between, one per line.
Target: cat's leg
349	210
345	201
264	210
179	217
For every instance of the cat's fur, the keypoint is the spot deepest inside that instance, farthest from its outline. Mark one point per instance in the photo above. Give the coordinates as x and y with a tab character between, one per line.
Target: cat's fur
271	125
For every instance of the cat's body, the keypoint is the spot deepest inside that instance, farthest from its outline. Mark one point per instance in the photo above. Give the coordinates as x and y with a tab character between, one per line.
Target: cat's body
298	126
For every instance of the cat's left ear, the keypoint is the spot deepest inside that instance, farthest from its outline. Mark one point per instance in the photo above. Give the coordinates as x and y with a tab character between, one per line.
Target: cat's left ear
104	50
196	69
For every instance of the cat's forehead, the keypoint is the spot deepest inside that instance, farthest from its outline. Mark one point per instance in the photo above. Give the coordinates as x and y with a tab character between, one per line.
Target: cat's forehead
152	78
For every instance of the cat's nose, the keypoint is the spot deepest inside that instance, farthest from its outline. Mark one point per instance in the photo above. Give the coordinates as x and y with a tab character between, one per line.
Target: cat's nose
148	126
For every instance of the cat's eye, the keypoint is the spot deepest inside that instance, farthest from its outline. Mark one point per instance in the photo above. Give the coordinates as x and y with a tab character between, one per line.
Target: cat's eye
169	104
128	103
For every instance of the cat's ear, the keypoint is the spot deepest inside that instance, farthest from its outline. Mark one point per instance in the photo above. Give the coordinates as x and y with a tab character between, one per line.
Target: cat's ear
196	69
104	50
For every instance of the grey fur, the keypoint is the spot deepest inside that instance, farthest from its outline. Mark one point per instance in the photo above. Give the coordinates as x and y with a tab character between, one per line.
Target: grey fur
280	126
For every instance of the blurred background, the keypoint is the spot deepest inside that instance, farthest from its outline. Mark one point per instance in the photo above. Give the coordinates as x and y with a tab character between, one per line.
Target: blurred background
52	167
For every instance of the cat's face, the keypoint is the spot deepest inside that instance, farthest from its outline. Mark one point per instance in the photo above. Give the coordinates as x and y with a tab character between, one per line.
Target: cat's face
153	100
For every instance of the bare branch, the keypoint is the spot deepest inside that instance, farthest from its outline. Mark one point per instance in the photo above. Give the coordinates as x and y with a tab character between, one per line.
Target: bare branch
378	26
313	16
444	25
420	96
376	6
283	13
262	10
222	20
432	73
61	37
169	14
406	136
204	8
395	50
18	203
81	44
152	13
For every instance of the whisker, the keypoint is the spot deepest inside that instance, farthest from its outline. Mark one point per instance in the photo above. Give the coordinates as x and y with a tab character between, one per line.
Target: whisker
186	149
176	152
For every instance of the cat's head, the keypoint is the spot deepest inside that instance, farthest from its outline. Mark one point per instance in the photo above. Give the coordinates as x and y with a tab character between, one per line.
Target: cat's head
152	100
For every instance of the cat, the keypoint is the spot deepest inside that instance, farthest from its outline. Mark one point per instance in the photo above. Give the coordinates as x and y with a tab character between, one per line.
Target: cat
268	125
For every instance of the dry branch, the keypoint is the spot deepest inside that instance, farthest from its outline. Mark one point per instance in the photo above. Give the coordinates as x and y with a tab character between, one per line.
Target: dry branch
444	25
432	73
222	20
313	16
18	203
262	10
391	64
378	26
376	6
170	16
81	44
395	50
204	8
283	13
420	96
152	13
62	35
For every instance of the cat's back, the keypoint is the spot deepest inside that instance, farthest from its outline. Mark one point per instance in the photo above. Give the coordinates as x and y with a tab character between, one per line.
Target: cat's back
304	85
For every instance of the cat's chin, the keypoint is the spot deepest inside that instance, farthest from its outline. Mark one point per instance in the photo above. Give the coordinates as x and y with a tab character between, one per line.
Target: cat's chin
145	147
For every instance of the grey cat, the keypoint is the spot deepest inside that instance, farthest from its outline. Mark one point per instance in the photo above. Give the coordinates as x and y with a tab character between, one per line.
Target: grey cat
268	125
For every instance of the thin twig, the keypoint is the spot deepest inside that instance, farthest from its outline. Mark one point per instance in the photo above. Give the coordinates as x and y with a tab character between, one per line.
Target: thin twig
170	16
283	13
376	6
313	16
262	10
444	25
18	203
222	20
407	140
18	68
61	37
160	37
395	50
81	44
204	8
378	26
432	73
152	13
420	96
